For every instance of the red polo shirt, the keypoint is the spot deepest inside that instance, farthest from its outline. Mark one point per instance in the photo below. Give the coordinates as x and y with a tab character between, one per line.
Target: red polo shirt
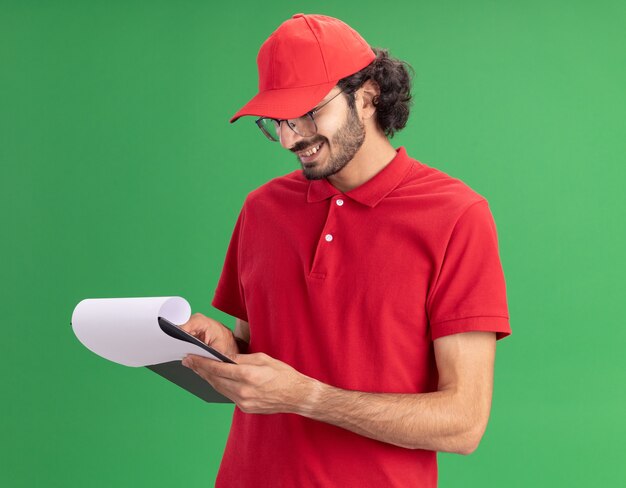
351	289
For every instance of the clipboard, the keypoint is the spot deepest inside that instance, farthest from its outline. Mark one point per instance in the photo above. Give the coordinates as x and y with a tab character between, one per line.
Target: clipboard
141	332
184	377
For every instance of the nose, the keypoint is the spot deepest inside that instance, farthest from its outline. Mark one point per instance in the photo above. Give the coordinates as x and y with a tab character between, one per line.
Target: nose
287	136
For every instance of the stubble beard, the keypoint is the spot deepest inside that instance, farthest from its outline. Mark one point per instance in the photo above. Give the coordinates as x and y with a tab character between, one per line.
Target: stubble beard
346	142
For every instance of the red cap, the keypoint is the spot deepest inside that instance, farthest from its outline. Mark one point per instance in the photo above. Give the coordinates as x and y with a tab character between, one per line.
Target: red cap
301	62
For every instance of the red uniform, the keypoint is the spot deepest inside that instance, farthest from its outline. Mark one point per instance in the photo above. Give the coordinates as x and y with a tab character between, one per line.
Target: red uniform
351	289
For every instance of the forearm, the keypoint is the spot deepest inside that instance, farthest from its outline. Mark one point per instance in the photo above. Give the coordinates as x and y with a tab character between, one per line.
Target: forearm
452	419
435	421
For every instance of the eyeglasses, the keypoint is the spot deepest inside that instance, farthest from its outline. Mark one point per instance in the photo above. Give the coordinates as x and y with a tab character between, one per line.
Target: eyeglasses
304	126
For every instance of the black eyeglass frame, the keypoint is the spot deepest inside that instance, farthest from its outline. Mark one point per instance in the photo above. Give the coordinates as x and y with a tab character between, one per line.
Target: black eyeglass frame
310	113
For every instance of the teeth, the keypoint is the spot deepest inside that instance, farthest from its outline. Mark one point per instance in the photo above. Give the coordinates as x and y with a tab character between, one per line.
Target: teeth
312	151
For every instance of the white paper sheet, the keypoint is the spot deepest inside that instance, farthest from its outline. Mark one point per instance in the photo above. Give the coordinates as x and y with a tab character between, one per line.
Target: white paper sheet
126	330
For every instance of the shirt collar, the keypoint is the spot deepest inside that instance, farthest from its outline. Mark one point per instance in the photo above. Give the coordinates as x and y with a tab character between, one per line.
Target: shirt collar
373	190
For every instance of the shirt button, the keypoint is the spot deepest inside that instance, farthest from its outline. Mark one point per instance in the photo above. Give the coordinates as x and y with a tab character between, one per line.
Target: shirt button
339	202
329	237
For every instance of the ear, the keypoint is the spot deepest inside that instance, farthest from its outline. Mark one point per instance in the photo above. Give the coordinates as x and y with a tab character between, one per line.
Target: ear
369	96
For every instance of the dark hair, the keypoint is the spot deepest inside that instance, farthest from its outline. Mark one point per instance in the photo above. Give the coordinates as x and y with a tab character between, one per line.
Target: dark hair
393	78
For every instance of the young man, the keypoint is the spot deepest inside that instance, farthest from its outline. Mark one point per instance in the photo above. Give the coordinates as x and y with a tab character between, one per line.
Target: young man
367	288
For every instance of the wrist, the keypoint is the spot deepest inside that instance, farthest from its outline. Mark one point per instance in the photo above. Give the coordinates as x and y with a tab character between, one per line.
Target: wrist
311	397
231	342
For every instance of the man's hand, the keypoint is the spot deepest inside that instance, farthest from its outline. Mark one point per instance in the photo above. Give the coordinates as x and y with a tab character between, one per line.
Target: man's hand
257	383
212	333
451	419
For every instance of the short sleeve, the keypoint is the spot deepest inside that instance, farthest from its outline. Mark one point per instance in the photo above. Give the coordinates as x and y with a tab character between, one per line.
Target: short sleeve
229	296
469	293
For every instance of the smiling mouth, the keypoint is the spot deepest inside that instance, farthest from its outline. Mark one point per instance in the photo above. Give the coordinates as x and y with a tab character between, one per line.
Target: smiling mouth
311	151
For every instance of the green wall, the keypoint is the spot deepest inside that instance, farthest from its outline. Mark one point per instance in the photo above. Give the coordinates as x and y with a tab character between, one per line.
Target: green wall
121	176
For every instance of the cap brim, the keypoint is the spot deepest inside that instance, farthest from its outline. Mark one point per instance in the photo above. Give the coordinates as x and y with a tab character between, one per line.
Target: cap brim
286	103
